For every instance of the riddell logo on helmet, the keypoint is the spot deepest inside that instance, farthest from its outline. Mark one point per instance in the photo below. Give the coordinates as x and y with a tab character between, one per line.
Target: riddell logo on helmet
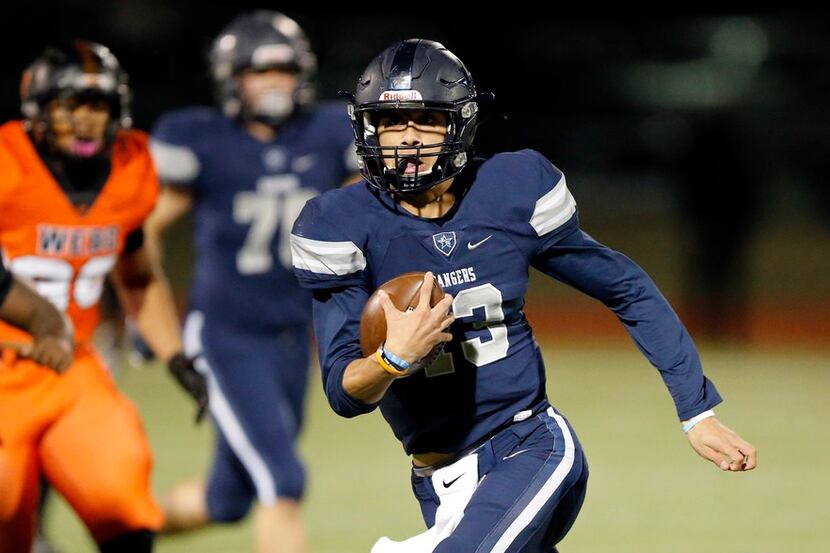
400	96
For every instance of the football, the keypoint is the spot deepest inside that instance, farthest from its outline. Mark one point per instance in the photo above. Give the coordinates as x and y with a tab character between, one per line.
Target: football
404	291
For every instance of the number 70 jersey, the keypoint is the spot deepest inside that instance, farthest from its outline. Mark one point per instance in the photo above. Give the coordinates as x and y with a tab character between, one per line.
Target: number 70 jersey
63	252
348	242
246	194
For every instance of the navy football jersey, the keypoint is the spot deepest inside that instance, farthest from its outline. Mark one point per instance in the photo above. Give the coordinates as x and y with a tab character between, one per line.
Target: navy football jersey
516	212
246	196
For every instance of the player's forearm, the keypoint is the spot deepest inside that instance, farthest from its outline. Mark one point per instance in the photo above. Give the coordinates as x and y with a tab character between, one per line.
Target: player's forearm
26	309
353	384
661	337
154	229
670	349
47	321
154	243
173	203
366	381
158	320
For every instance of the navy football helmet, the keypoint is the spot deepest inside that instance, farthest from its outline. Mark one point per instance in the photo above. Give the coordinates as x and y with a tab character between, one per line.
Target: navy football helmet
83	71
414	74
262	40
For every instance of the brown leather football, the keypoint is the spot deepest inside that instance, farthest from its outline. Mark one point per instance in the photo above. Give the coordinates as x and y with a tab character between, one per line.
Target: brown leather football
404	291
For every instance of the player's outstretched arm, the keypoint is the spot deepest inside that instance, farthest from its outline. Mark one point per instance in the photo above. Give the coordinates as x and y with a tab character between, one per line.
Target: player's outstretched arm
619	283
625	288
52	333
145	293
721	445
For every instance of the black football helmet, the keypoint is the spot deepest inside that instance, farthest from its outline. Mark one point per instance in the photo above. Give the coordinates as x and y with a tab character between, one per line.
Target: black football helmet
262	40
414	74
83	70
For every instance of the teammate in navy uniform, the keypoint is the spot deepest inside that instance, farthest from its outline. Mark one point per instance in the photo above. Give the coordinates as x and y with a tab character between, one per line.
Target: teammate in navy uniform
496	467
246	171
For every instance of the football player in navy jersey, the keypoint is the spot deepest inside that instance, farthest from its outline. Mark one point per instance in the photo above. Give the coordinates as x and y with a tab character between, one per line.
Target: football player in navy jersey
495	466
245	171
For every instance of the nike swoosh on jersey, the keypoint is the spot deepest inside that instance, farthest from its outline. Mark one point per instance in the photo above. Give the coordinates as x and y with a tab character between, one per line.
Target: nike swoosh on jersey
451	482
471	246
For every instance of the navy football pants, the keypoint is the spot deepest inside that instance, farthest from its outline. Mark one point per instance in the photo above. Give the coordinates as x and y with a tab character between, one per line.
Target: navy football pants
256	387
532	480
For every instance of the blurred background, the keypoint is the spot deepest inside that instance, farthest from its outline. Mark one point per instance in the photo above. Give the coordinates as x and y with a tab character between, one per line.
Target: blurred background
697	144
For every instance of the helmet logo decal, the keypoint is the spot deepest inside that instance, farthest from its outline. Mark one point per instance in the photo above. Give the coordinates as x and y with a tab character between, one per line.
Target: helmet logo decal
444	242
400	96
401	82
400	74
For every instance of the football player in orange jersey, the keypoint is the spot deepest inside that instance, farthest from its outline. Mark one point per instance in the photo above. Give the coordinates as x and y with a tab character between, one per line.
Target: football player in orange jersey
75	186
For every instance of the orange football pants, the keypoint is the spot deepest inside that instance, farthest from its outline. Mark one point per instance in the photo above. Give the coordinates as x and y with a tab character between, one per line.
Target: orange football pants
88	440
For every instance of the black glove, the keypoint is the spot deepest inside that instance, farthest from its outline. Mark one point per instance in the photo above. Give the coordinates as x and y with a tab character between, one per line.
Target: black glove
194	383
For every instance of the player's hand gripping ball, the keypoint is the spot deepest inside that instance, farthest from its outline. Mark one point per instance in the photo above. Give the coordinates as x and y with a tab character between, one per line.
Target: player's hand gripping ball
404	291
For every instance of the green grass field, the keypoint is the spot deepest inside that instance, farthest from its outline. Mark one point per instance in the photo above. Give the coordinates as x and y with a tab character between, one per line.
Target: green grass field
649	492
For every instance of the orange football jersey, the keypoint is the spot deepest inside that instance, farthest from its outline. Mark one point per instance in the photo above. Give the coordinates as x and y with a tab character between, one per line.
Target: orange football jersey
66	254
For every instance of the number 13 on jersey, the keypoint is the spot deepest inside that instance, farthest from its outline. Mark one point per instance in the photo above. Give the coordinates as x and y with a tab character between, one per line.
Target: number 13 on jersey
475	350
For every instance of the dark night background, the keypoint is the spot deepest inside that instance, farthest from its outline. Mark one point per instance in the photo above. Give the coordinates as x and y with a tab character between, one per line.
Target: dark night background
696	143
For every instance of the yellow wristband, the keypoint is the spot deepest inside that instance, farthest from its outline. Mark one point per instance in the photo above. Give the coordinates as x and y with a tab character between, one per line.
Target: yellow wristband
387	367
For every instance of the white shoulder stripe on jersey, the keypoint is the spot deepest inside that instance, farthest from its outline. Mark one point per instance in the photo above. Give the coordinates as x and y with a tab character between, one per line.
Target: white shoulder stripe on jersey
545	493
174	163
553	209
326	258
